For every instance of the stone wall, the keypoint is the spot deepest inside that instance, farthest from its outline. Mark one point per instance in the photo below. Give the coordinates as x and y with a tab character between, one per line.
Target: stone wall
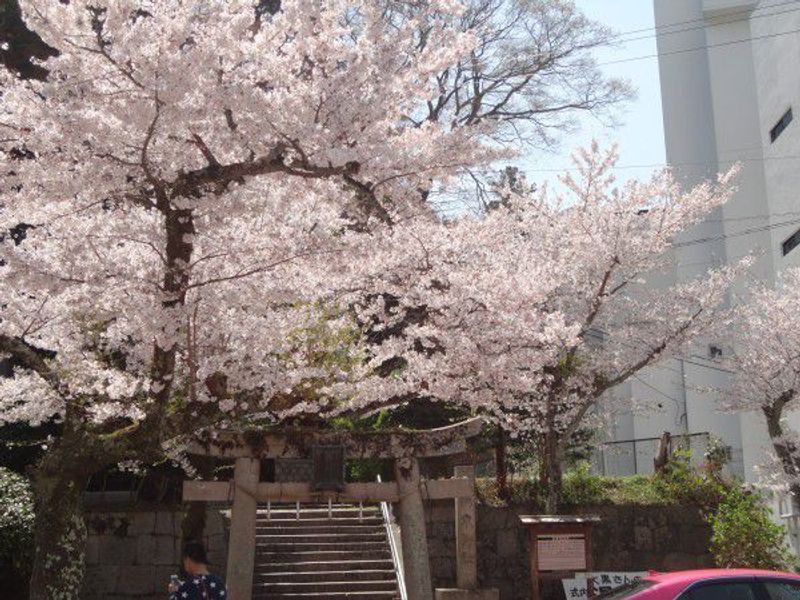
131	554
629	538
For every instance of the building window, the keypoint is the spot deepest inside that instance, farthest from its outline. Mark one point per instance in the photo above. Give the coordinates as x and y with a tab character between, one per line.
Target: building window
790	243
780	125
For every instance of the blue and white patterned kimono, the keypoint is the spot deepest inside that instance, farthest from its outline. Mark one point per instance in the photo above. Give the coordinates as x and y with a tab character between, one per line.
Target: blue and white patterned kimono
201	587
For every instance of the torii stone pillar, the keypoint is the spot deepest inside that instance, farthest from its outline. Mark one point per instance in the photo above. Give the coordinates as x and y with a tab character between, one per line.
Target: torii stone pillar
241	543
466	542
466	548
414	537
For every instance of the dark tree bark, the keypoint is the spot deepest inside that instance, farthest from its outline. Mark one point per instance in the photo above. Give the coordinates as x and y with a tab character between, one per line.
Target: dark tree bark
501	464
786	450
60	532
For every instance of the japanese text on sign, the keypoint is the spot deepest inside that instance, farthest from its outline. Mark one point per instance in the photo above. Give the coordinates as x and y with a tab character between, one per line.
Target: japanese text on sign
599	583
561	552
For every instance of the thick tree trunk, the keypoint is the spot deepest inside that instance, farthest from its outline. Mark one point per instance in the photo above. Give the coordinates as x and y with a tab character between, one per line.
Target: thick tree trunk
552	473
501	465
60	531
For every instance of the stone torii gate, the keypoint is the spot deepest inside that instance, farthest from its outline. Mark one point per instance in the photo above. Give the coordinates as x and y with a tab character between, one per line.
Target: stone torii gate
408	491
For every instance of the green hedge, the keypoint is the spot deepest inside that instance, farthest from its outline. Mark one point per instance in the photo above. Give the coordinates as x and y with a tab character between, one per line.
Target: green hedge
16	533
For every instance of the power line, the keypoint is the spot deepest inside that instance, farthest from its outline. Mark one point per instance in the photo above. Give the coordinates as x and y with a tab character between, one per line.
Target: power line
601	335
724	236
729	161
697	48
665	395
746	18
753	217
702	19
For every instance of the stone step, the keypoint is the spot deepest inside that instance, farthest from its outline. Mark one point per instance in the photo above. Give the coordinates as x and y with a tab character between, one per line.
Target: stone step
324	587
309	546
325	554
365	522
317	513
316	555
320	538
327	596
319	518
310	566
319	576
302	529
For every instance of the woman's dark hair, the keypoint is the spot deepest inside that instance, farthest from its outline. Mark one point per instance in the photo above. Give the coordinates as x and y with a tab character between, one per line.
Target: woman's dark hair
194	551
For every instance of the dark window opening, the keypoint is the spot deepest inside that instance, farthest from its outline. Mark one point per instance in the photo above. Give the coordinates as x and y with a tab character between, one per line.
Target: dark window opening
780	125
790	243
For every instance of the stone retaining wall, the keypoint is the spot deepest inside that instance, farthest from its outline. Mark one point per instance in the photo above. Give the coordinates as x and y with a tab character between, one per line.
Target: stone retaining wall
629	538
131	554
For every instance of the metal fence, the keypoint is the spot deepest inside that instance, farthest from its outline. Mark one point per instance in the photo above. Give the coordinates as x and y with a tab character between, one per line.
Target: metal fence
632	457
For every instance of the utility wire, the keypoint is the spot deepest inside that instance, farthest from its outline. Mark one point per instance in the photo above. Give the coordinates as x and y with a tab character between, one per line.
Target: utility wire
602	335
704	25
729	161
697	48
724	236
703	19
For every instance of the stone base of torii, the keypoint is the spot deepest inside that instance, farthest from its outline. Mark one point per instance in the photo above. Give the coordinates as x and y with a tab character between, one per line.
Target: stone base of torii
408	491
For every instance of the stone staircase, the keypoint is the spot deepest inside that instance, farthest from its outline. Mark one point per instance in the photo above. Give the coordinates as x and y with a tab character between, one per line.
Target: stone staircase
334	553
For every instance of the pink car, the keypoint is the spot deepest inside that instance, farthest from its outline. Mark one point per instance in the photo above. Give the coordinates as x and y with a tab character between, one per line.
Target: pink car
711	584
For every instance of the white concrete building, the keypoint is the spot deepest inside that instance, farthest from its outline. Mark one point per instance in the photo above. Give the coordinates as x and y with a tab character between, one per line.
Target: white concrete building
730	81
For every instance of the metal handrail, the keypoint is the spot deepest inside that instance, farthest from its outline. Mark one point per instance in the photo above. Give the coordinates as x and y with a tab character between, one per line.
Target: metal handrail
388	519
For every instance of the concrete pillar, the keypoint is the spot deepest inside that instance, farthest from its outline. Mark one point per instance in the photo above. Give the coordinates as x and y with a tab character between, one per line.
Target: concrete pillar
242	541
414	537
466	542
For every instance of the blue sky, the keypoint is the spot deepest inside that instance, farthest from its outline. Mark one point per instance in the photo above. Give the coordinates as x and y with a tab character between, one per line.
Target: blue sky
640	134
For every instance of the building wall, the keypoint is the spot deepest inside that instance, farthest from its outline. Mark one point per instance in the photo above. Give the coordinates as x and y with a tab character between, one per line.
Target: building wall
728	73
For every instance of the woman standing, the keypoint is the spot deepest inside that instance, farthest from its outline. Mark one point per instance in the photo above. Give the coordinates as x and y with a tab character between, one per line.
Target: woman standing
199	583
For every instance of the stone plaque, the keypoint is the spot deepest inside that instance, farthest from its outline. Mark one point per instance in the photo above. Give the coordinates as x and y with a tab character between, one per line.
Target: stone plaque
294	470
328	468
561	552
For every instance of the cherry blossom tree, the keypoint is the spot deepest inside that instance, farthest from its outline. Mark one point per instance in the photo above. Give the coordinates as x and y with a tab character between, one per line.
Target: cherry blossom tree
766	366
548	304
193	177
532	74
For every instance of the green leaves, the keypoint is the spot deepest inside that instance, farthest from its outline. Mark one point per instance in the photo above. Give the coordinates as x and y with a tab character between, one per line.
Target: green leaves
744	534
16	526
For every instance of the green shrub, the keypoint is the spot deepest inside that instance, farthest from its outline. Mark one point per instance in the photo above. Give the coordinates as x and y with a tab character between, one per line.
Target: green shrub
745	536
635	489
581	488
524	492
16	532
682	483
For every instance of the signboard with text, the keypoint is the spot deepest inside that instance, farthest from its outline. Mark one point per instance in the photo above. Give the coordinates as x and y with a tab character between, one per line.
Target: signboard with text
597	583
561	552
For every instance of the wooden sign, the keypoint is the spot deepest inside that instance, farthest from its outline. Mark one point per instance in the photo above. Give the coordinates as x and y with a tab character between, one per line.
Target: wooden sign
328	468
561	547
561	552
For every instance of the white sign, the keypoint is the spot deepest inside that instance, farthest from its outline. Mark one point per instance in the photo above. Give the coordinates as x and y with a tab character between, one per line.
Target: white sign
600	583
561	552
